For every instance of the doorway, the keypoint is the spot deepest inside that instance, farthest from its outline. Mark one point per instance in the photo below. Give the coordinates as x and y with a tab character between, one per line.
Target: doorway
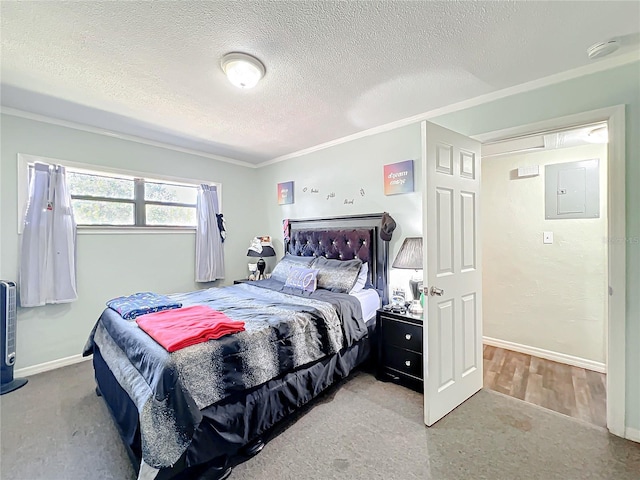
544	217
585	372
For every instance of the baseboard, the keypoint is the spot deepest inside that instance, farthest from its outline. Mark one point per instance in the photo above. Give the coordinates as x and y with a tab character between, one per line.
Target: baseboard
547	354
45	367
632	434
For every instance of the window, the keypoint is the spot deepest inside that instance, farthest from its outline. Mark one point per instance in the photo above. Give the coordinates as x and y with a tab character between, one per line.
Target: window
102	200
167	204
99	199
105	199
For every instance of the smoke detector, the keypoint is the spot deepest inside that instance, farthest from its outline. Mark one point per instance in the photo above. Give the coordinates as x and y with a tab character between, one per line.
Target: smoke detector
602	49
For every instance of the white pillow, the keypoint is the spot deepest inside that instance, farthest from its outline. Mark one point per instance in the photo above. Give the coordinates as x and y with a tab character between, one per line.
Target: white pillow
361	281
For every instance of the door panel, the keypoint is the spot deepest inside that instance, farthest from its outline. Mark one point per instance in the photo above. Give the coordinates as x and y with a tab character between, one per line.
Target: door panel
444	197
444	159
447	343
469	320
467	164
452	323
468	233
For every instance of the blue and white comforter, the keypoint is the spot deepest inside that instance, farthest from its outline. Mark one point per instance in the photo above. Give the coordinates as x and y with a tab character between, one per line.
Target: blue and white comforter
283	331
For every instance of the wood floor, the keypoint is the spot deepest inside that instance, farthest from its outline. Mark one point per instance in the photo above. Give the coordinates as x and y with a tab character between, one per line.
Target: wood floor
569	390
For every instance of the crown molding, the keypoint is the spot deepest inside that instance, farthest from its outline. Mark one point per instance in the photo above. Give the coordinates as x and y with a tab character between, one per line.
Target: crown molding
14	112
602	65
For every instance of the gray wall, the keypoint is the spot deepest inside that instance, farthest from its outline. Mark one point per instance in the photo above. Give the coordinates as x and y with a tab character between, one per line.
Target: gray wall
604	89
120	263
348	170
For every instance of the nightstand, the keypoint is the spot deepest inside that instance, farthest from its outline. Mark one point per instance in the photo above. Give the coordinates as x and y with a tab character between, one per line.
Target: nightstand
400	348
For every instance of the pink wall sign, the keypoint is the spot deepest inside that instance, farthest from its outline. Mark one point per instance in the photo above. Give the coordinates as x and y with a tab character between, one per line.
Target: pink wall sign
285	193
398	177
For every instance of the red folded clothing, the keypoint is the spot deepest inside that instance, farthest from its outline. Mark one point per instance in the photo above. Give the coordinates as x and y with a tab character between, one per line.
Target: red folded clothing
183	327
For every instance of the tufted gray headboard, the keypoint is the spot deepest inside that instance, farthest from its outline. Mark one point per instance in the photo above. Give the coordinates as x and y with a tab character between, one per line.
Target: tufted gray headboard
344	238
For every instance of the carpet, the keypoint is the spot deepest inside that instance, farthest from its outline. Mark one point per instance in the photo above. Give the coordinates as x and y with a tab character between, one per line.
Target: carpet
56	428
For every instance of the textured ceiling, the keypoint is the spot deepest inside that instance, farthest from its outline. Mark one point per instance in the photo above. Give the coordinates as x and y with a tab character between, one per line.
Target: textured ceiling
152	69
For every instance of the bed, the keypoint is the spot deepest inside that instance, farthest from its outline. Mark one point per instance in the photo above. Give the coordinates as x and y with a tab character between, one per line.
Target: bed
197	412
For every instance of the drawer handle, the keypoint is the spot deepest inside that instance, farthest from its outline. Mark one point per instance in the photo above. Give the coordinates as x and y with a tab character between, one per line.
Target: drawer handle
408	336
407	363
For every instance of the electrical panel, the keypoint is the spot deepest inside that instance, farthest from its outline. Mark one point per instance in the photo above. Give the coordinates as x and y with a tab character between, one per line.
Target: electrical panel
572	190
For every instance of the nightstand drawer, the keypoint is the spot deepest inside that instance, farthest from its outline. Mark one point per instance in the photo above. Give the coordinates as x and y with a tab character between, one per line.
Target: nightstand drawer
402	334
403	361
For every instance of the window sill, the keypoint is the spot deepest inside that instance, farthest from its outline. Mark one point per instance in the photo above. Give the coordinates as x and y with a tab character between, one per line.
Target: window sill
124	230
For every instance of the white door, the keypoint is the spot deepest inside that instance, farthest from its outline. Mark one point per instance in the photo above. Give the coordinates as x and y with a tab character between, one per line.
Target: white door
452	273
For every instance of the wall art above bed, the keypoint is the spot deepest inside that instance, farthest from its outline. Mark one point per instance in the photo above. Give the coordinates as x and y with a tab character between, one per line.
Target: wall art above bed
285	193
398	177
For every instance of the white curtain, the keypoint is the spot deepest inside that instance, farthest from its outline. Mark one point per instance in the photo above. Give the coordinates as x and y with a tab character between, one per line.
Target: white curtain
209	253
48	249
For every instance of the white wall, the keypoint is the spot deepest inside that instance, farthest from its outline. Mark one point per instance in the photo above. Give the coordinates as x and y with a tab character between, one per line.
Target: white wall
113	264
551	297
346	170
618	86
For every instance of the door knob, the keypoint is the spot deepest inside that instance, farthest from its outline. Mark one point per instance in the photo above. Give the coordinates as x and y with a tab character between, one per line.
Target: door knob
436	291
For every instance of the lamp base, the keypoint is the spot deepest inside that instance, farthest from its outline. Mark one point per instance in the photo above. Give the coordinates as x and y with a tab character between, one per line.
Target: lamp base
415	284
261	266
415	307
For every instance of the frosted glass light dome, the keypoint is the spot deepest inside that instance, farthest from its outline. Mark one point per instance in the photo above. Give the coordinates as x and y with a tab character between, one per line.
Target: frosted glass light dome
242	70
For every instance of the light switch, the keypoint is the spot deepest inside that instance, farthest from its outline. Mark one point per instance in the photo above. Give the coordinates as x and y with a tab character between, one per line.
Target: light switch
547	237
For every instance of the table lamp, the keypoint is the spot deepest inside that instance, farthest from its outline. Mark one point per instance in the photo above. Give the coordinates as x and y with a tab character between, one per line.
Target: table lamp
261	247
410	257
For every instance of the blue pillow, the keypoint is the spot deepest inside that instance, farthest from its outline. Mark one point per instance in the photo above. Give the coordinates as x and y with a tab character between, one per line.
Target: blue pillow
304	279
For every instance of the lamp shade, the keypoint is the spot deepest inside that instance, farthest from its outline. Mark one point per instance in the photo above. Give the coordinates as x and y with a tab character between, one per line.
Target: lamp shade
267	251
261	247
410	254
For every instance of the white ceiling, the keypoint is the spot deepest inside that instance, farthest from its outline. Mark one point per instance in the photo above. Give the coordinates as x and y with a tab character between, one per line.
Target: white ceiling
152	69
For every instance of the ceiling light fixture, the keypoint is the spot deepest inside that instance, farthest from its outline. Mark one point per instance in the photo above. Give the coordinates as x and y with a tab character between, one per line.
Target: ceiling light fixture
602	49
242	70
